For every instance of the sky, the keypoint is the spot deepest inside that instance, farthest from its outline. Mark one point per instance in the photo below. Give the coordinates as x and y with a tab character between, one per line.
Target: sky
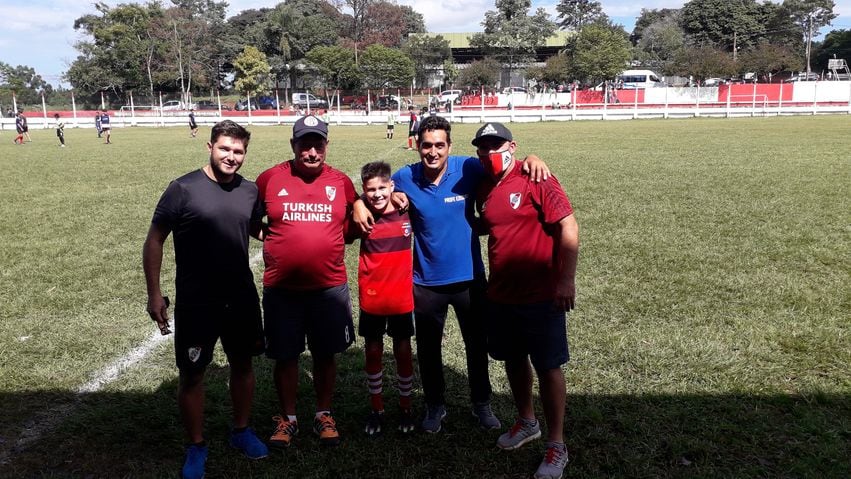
40	33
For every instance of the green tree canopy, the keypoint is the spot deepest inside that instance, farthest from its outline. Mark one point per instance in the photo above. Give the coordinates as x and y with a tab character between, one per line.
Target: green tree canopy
252	71
836	44
599	52
660	43
723	23
480	73
768	58
810	16
575	14
24	82
335	65
383	67
704	62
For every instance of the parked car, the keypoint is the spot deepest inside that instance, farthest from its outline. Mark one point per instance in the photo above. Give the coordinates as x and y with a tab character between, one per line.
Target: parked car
209	105
172	105
713	81
303	100
449	95
267	102
242	105
513	89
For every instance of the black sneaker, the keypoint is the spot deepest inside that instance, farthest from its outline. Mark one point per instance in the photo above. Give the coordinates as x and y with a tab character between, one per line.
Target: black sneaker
373	423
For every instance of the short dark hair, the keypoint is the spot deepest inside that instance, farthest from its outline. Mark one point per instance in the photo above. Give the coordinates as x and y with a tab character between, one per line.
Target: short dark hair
433	123
231	129
375	169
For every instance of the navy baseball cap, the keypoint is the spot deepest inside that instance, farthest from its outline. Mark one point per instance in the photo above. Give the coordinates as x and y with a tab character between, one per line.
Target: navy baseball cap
310	124
496	130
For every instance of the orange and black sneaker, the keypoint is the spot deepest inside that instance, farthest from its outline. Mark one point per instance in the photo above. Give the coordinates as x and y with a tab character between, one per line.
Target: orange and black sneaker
326	428
285	431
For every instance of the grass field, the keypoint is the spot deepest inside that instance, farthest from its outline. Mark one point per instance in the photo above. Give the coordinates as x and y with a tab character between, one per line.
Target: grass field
712	336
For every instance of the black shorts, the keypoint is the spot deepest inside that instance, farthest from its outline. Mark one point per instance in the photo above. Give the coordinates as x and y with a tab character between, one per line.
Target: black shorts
536	330
197	327
397	326
323	317
390	127
192	127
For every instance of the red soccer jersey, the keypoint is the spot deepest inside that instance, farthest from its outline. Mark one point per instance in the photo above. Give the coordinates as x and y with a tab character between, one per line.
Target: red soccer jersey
385	267
518	215
305	248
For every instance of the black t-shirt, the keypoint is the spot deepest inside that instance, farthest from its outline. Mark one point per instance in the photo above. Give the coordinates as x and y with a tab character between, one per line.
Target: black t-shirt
210	226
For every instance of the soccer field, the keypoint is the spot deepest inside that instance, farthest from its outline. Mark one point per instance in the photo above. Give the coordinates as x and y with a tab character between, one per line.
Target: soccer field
712	336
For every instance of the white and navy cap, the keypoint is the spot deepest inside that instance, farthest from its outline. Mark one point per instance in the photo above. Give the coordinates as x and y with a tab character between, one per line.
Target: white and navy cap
496	130
310	124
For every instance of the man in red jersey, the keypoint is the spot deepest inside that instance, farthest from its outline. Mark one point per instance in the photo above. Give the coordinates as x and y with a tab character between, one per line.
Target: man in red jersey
533	246
308	206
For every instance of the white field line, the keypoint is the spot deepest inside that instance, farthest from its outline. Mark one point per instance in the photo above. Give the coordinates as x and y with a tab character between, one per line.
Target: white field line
46	421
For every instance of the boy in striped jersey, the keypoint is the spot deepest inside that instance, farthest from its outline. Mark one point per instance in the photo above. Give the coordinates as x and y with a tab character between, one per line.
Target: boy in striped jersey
385	280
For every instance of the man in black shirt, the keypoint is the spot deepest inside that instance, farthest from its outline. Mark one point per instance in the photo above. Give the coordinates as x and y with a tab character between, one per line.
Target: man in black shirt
211	212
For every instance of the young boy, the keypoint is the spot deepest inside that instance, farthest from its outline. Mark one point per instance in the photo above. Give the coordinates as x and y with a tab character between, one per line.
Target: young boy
385	280
60	130
19	128
391	123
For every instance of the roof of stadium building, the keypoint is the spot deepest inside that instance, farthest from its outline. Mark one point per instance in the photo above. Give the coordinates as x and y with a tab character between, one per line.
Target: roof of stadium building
462	39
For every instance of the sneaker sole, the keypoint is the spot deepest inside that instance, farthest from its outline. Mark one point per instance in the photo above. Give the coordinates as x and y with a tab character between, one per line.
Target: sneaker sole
253	458
279	444
525	440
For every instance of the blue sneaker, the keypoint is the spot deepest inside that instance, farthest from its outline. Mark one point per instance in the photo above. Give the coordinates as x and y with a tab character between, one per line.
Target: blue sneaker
433	422
247	443
193	466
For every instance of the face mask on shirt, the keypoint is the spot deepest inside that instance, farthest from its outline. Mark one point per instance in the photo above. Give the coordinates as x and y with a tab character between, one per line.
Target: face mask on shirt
497	162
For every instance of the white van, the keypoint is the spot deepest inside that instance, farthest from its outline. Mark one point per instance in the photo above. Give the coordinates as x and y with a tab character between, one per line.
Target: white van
633	79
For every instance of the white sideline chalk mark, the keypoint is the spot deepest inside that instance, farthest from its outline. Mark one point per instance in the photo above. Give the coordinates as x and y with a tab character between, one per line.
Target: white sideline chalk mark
44	422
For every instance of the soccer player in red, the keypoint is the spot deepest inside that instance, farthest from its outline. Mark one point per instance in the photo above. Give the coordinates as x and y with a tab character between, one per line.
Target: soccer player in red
533	246
308	206
385	281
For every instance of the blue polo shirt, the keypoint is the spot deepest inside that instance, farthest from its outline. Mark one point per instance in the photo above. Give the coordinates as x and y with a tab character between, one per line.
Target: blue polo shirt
446	250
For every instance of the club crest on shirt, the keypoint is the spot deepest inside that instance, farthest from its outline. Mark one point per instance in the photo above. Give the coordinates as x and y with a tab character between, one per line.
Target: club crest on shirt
331	192
406	229
194	353
514	200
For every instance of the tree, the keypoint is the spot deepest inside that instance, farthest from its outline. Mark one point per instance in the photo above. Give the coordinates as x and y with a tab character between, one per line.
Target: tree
810	15
598	53
556	71
24	82
703	63
480	73
335	65
661	42
428	54
388	24
383	67
450	72
836	44
647	17
575	14
252	70
725	24
123	53
511	35
769	59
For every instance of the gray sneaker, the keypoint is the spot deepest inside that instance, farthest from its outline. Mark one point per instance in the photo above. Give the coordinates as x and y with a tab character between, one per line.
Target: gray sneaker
520	433
552	467
433	421
483	412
